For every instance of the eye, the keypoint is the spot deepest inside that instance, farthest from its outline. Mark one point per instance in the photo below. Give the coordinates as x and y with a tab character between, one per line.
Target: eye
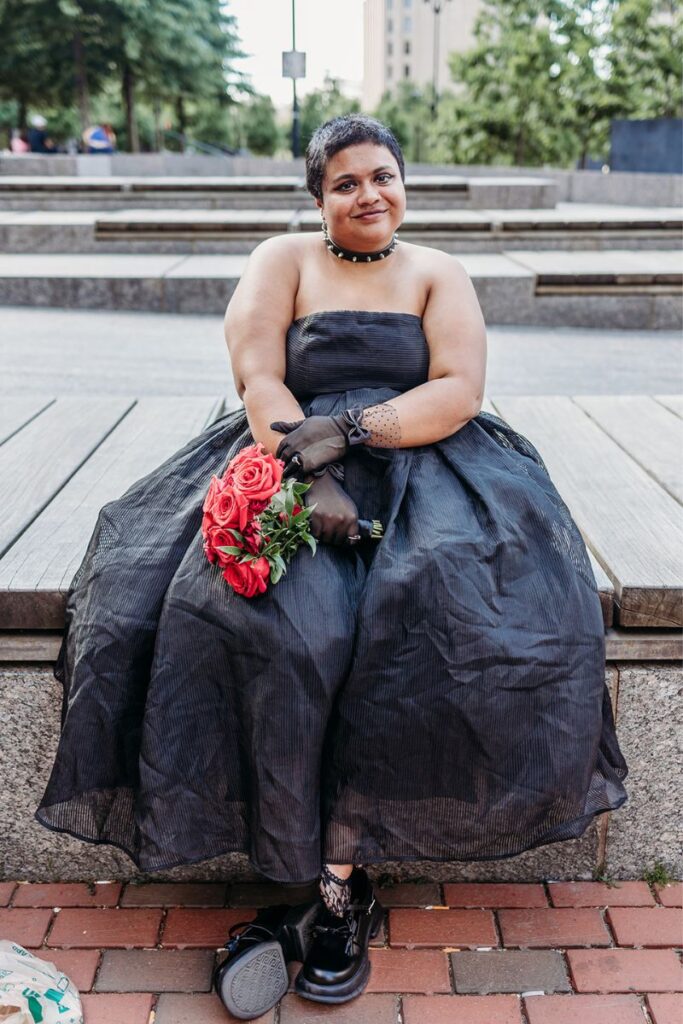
384	174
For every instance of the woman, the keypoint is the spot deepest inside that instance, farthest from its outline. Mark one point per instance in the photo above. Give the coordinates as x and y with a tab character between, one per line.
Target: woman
438	695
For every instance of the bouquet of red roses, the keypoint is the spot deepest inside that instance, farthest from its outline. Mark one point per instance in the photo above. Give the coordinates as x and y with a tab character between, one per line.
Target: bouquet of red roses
254	521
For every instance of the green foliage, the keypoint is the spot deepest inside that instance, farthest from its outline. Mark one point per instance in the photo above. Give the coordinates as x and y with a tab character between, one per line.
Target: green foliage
646	58
321	105
283	530
518	84
658	874
408	112
260	127
170	56
542	82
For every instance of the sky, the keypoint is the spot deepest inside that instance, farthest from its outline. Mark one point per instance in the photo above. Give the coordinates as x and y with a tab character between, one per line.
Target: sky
329	31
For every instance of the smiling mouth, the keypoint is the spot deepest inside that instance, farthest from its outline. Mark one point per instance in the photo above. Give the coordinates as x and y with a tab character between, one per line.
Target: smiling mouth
369	214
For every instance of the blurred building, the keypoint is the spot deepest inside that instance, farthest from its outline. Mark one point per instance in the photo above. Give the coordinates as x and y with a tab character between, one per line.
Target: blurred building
399	42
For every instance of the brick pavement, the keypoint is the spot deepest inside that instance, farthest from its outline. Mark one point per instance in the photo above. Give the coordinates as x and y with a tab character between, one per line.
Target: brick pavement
461	953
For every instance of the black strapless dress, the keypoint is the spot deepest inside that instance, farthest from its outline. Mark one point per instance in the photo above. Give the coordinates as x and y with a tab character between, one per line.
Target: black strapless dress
437	695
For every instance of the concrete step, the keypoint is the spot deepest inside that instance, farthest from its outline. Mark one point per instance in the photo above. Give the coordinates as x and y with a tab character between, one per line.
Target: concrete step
618	289
58	192
568	227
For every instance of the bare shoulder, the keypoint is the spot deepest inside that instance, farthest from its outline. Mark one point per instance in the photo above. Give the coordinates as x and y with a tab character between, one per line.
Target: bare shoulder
437	266
282	246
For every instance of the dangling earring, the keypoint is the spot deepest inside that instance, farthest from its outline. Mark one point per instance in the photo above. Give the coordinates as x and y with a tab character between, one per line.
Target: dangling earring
324	224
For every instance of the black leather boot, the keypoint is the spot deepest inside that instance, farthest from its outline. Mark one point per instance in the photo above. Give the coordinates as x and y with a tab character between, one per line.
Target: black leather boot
337	967
254	976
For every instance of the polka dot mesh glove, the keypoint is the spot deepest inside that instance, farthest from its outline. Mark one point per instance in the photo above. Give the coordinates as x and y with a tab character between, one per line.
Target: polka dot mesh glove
317	441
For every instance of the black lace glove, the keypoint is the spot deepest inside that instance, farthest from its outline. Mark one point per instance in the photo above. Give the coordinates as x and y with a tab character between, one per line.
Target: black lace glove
318	440
335	517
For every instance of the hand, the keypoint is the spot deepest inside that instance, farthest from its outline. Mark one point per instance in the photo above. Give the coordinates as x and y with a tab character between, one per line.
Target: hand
335	516
318	440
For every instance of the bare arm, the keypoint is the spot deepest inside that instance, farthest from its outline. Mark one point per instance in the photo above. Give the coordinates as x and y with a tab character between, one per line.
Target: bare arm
453	394
256	322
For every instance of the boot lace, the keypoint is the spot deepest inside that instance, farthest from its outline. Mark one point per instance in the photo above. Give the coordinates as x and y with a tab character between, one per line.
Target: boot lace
252	933
346	926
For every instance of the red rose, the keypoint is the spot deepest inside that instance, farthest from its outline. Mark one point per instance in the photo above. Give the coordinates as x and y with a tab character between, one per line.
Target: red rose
248	578
214	487
218	536
252	536
225	506
255	473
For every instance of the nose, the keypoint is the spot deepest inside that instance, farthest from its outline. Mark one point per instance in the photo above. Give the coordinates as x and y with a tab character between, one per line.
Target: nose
368	194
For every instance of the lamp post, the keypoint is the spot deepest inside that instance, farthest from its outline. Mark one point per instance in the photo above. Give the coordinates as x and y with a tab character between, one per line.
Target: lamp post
294	66
436	6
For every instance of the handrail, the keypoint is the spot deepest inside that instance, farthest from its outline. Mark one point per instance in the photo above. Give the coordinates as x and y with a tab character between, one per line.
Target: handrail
212	149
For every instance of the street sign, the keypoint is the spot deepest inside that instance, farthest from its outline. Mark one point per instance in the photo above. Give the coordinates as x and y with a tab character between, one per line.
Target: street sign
293	64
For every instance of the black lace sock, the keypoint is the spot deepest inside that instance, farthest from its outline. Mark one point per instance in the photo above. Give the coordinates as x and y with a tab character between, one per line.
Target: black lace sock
335	891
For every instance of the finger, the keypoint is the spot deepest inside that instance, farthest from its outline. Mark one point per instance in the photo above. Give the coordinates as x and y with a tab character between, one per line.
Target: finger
284	428
291	469
340	535
352	531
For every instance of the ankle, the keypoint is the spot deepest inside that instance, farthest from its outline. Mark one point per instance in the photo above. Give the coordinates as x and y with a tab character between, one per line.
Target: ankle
335	887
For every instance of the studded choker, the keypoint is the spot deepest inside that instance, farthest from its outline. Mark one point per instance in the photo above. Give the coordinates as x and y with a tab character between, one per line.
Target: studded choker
358	257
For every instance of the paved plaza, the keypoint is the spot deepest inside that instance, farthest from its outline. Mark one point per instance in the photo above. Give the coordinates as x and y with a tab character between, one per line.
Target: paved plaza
112	291
56	351
460	953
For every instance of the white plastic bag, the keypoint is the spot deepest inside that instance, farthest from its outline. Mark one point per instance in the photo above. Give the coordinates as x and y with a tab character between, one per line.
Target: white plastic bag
39	992
16	1012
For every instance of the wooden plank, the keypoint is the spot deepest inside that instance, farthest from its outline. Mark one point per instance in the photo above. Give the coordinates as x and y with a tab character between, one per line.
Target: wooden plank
29	648
605	589
604	583
648	645
37	462
36	572
632	525
620	645
672	402
18	410
651	434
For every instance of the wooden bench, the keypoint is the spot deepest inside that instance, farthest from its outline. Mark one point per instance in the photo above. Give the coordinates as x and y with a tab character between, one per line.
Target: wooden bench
616	461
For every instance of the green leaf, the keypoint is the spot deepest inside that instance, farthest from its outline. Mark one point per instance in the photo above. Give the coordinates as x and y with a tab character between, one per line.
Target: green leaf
312	543
230	550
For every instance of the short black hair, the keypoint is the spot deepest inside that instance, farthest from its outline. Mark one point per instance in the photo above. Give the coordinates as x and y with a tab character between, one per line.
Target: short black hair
337	134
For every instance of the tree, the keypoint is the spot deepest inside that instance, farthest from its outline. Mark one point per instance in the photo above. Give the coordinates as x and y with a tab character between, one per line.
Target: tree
42	56
646	58
56	52
321	105
260	127
514	104
407	111
544	79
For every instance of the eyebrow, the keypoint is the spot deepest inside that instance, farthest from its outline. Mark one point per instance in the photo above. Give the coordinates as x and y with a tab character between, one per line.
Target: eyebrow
384	167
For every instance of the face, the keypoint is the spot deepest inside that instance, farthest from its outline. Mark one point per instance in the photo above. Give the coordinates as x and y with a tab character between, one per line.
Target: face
364	200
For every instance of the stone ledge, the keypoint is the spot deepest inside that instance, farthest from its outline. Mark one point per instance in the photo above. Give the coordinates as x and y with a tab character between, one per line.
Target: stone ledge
29	647
624	843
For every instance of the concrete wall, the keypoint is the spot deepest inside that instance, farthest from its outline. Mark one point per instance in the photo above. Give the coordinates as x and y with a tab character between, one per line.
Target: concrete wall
626	842
620	187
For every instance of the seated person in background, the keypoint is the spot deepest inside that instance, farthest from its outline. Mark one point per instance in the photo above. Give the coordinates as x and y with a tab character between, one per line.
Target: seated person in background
38	139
